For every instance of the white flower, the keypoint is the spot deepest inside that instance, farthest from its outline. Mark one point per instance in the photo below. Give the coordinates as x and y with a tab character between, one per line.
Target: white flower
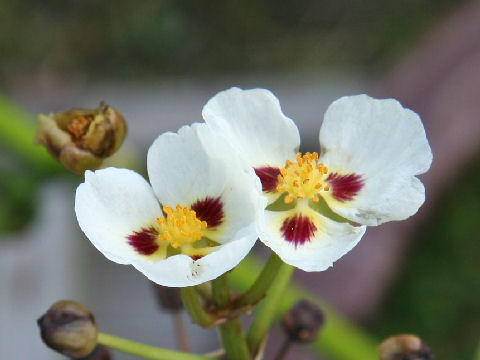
370	152
210	199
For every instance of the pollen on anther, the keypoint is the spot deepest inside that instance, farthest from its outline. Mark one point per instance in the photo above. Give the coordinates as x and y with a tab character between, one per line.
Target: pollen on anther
288	199
302	179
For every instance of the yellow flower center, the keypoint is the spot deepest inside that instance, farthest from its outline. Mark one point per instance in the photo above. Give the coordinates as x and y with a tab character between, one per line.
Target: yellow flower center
302	179
180	226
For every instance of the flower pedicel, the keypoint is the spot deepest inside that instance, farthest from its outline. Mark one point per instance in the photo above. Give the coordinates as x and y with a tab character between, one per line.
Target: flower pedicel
319	205
196	220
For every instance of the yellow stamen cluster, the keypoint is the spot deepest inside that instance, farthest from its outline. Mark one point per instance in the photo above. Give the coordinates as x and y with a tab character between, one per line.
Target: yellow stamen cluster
302	179
180	226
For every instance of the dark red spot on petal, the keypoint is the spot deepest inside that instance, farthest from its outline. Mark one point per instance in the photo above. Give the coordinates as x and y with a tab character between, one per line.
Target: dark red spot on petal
345	187
209	210
144	241
298	229
196	257
268	177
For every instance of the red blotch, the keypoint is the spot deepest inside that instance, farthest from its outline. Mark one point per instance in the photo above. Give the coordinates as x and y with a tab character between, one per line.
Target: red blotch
345	187
209	210
196	257
268	177
144	241
298	229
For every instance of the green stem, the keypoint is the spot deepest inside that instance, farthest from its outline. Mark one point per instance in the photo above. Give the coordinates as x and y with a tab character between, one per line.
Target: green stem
144	351
233	340
337	331
221	291
268	309
17	132
476	356
231	332
195	309
266	278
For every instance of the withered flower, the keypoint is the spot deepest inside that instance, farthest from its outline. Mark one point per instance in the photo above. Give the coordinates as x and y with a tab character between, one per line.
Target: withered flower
404	347
80	138
69	328
303	321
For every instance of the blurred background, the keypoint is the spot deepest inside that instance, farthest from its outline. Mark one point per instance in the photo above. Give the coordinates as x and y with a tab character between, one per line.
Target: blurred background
158	62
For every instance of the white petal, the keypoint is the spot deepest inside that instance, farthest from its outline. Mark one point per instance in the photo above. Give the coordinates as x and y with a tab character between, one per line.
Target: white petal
181	270
385	144
195	164
332	239
241	193
181	170
110	205
254	125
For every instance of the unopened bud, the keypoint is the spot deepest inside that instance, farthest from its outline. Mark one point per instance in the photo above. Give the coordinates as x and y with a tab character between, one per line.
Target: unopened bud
404	347
168	298
100	353
80	139
69	328
303	322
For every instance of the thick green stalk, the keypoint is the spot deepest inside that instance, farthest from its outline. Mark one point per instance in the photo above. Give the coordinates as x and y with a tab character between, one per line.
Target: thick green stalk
267	310
266	278
233	340
144	351
221	291
195	309
476	356
337	331
17	133
231	332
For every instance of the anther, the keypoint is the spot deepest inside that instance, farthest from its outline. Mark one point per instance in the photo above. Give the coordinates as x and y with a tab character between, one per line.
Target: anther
288	199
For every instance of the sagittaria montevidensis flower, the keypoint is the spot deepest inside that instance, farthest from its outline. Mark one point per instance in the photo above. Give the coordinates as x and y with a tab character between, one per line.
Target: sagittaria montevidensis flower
196	220
319	204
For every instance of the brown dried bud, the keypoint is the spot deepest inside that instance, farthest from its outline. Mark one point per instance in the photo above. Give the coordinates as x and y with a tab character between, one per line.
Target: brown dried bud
303	322
100	353
69	328
168	298
80	139
404	347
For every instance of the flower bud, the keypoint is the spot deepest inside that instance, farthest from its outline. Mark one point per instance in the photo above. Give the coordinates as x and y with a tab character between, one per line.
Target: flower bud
168	298
69	328
303	322
404	347
100	353
80	139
